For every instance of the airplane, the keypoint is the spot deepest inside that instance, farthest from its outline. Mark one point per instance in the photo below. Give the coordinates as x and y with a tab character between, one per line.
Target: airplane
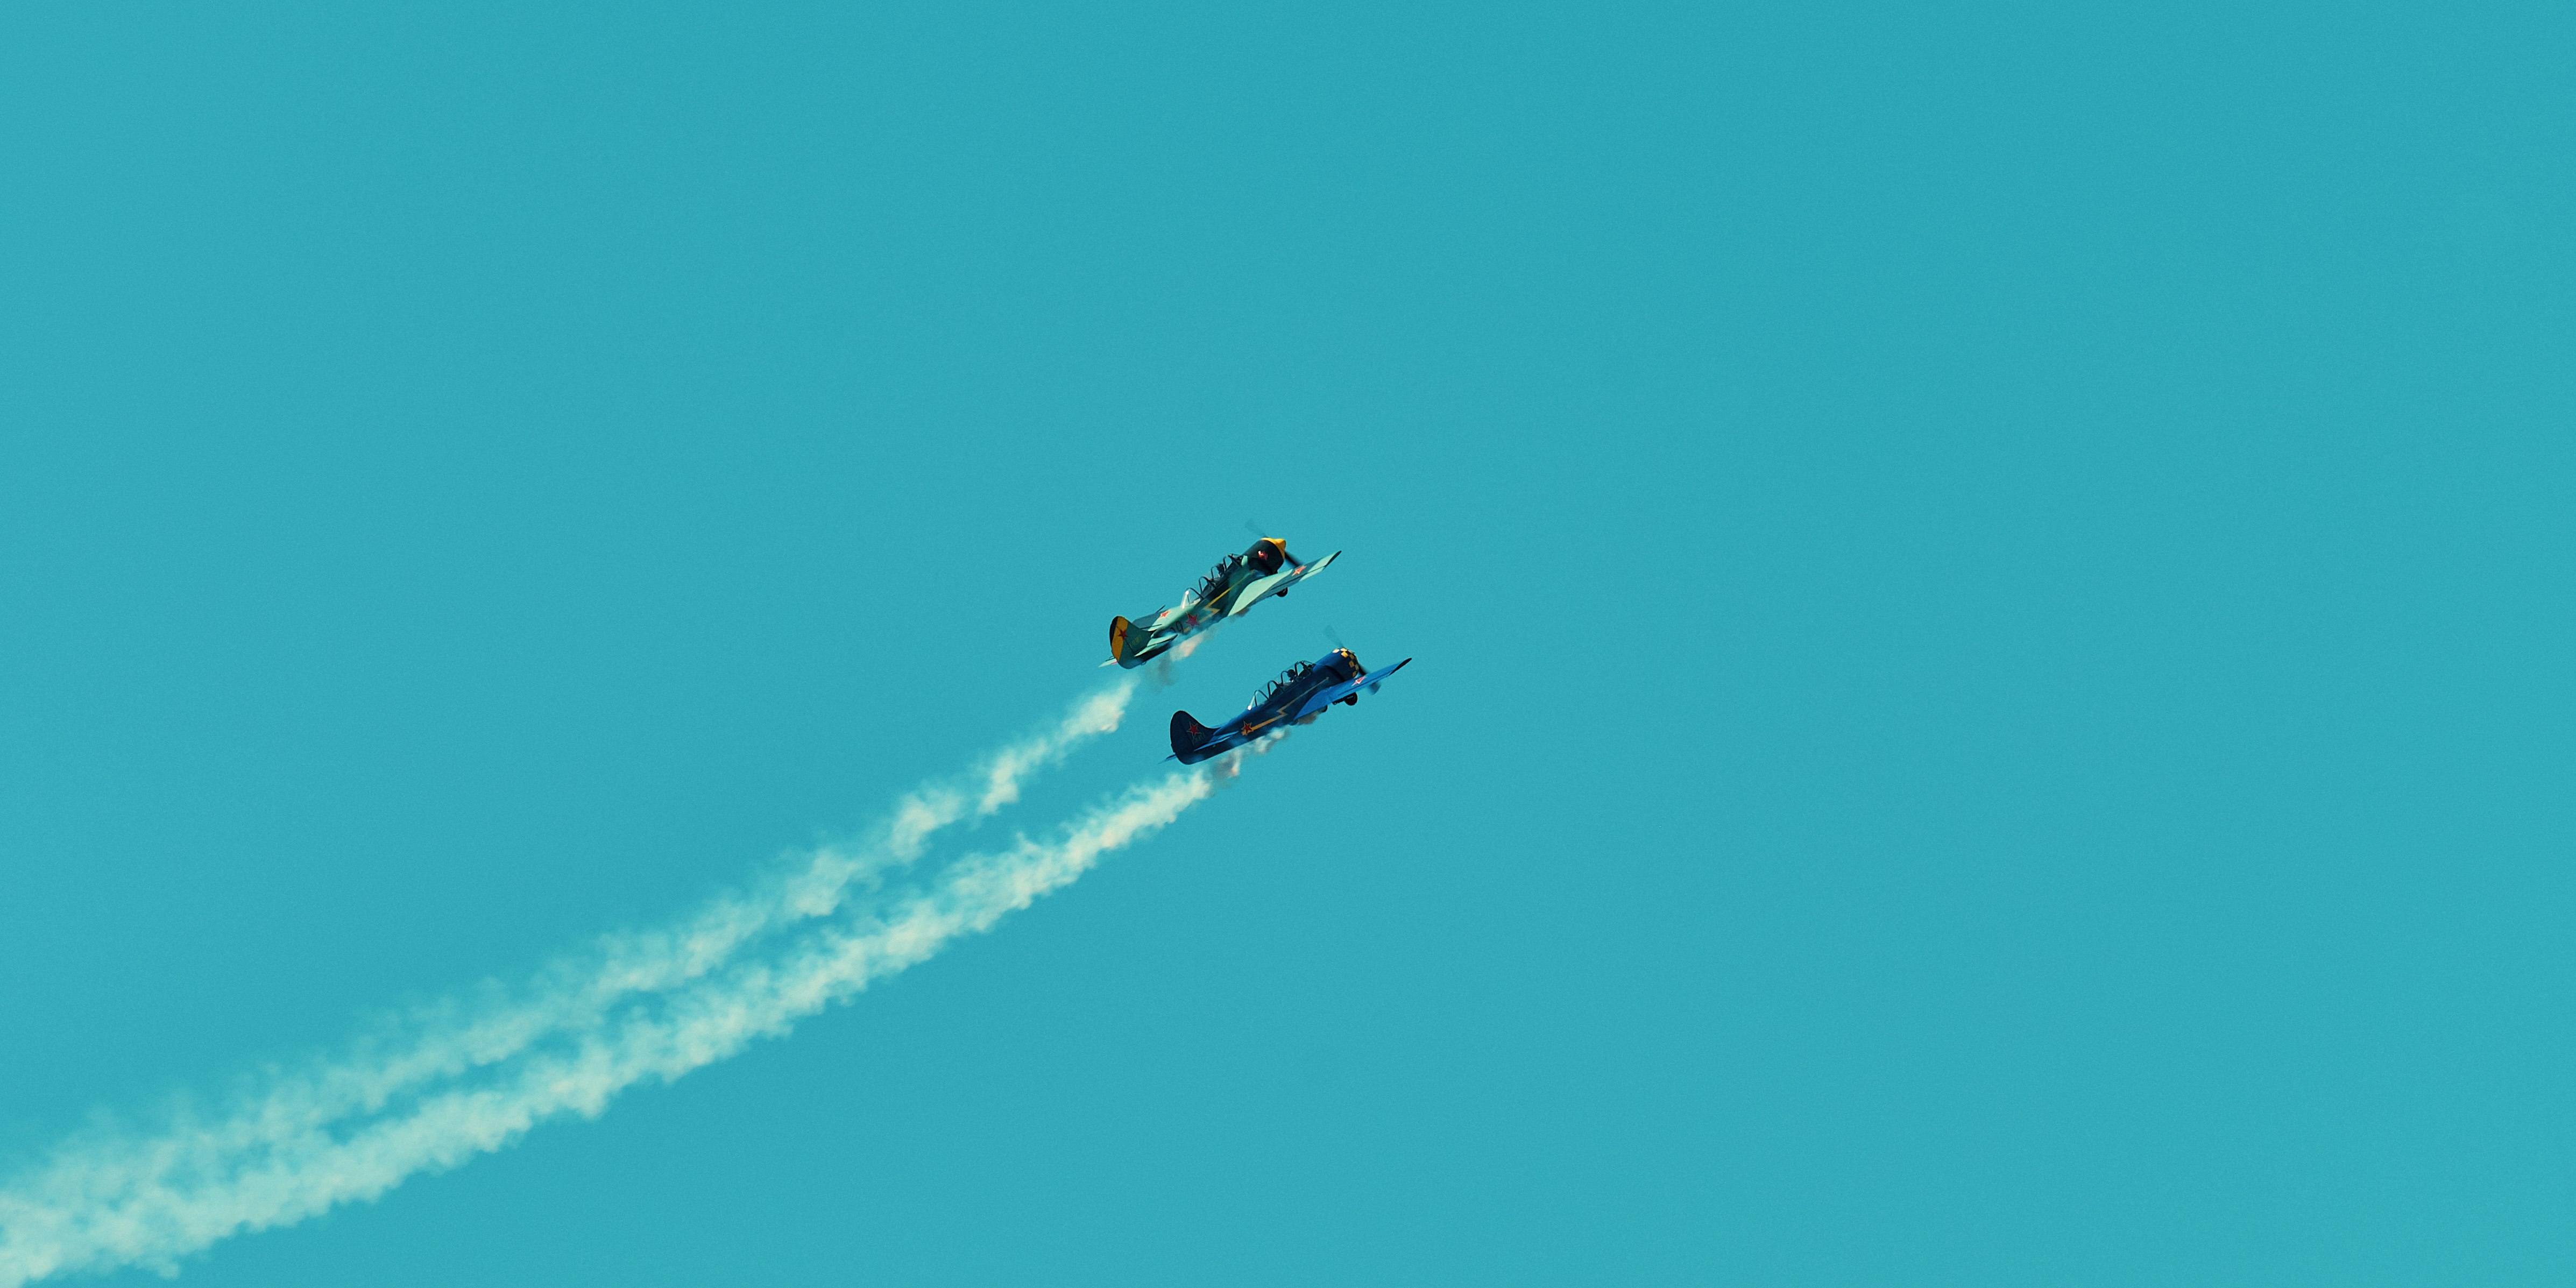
1298	696
1229	590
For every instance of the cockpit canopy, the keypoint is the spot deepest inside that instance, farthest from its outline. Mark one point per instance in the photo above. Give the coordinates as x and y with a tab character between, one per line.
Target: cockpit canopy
1286	679
1218	578
1339	665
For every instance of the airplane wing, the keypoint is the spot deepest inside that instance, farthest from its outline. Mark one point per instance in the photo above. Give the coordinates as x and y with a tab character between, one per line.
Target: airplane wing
1374	678
1276	583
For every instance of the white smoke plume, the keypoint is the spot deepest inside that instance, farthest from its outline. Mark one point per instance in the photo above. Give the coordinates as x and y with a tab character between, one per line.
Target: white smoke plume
451	1085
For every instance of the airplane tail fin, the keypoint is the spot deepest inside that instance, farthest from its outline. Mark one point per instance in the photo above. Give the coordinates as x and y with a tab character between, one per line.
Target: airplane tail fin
1127	642
1188	736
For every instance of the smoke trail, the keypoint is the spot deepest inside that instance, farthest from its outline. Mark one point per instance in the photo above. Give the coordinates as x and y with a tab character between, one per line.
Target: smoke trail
354	1127
119	1204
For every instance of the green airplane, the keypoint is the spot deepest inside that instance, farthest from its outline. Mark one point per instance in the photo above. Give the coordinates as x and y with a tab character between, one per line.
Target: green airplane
1229	590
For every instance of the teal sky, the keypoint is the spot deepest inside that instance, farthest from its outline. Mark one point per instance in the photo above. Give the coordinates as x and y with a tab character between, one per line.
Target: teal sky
1990	591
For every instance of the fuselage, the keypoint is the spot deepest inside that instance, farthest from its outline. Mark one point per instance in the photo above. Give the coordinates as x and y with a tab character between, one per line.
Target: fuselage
1291	690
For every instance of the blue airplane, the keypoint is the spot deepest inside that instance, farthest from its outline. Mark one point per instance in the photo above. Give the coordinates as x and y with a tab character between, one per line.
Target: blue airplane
1298	696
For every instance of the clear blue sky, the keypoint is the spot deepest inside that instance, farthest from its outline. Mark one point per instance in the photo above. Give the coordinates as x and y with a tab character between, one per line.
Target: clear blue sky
1990	591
